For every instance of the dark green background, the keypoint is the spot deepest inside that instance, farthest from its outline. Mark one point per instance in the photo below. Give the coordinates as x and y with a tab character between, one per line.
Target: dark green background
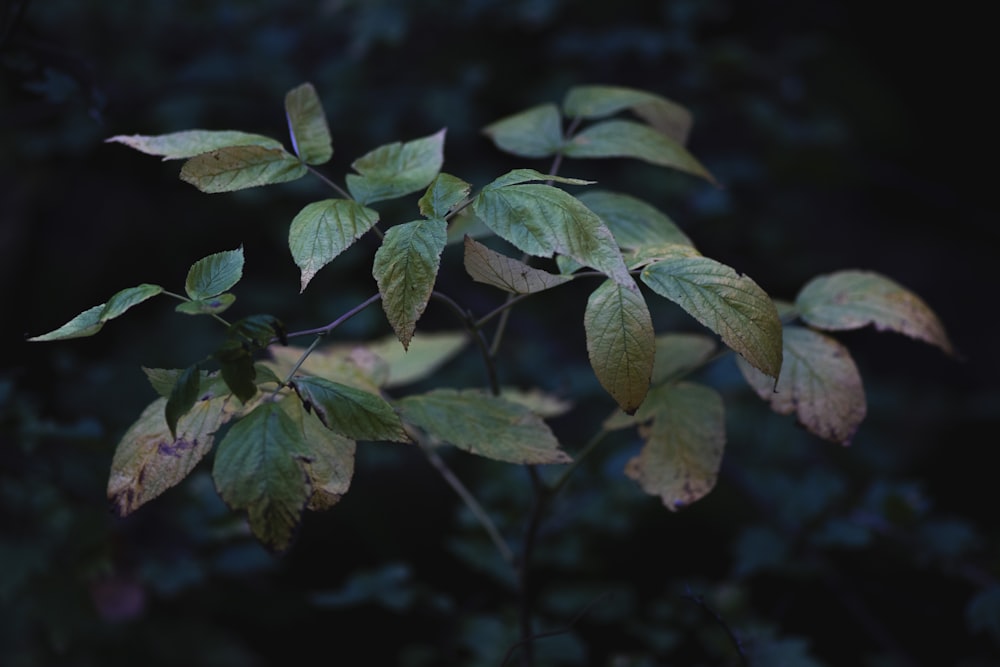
844	137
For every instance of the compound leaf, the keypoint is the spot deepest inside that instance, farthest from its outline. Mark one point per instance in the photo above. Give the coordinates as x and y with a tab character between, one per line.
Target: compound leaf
592	102
679	461
240	167
307	125
189	143
405	268
324	229
485	425
731	305
354	413
492	268
855	299
620	342
634	223
214	274
396	169
533	133
819	382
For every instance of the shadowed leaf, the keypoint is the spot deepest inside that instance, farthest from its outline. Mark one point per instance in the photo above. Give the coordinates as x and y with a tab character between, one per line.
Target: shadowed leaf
307	125
533	133
189	143
324	229
356	414
240	167
492	268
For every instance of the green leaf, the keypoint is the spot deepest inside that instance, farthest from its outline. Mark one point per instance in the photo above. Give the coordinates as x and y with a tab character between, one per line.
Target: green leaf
237	368
542	220
85	324
182	397
163	381
128	297
492	268
149	459
356	414
214	304
241	167
620	343
680	458
427	353
634	223
326	457
593	102
484	425
259	468
680	353
533	133
324	229
628	139
189	143
215	274
396	169
819	383
307	125
855	299
444	193
353	365
405	269
518	176
731	305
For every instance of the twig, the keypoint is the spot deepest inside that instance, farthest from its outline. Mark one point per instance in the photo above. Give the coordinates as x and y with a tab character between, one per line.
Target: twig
722	623
552	633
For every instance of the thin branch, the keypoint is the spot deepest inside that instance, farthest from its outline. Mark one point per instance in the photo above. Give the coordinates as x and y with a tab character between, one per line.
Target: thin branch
339	190
553	633
324	330
477	335
722	623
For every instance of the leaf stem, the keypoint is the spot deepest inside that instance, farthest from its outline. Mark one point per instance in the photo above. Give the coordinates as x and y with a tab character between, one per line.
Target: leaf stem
339	190
472	326
181	297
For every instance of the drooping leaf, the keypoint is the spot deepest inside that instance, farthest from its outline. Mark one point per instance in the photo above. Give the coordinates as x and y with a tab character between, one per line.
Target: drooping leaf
488	266
351	412
324	229
210	305
307	125
594	102
189	143
427	353
634	223
405	268
149	460
731	305
533	133
519	176
259	468
240	167
542	220
326	457
620	342
628	139
819	383
213	275
680	459
92	320
237	368
443	194
183	396
396	169
855	299
128	297
163	381
679	353
485	425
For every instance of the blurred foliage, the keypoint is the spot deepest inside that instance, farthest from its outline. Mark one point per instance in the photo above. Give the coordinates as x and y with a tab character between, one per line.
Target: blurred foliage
831	133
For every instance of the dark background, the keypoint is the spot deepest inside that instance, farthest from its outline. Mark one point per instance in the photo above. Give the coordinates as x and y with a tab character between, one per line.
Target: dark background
844	137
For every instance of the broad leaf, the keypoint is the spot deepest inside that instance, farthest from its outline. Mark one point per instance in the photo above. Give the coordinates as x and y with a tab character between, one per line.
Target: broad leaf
518	176
183	396
396	169
187	144
351	412
213	304
533	133
213	275
855	299
731	305
628	139
405	269
353	365
307	125
241	167
542	220
593	102
427	353
92	320
620	343
149	460
128	297
819	383
443	194
326	457
163	381
680	353
634	223
324	229
485	425
235	355
680	459
259	468
488	266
